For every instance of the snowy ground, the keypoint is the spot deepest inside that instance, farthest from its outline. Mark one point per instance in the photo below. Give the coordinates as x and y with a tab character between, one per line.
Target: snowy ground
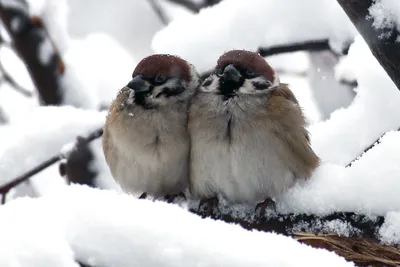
105	227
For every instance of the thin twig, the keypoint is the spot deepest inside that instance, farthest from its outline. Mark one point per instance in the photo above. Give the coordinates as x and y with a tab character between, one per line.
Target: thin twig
159	11
187	4
4	189
367	149
311	45
7	78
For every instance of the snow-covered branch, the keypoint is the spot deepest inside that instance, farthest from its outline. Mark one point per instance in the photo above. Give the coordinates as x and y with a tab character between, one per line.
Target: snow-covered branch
29	36
379	24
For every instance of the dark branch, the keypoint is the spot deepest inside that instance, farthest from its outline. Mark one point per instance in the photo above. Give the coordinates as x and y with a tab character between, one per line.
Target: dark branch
159	11
312	45
367	149
28	36
4	189
7	78
382	42
187	4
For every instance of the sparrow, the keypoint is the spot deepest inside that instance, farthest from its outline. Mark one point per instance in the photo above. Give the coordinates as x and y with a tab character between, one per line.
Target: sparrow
146	141
248	137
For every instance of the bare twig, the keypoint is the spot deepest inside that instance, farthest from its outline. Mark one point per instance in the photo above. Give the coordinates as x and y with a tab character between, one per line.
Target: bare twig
367	149
187	4
311	45
7	78
28	36
159	11
4	189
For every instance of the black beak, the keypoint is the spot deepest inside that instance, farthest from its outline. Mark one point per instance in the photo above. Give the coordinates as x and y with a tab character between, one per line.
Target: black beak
231	74
230	80
139	85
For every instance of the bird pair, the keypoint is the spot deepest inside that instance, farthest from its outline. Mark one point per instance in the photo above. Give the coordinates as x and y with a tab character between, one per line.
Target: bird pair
240	133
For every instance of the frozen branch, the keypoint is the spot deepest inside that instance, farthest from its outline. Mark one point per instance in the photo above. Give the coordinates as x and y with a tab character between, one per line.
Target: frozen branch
311	45
159	11
382	42
6	77
187	4
4	189
28	35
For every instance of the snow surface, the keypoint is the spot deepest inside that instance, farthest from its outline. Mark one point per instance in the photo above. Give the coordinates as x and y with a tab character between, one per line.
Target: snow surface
40	135
374	111
104	228
390	230
102	66
386	14
238	24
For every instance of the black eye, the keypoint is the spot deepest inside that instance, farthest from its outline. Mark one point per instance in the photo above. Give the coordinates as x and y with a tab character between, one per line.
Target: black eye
219	72
160	79
250	73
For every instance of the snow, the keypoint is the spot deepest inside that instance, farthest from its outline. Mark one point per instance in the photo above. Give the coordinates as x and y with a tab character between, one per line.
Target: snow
369	186
390	230
237	24
53	13
84	223
40	135
102	66
374	111
386	14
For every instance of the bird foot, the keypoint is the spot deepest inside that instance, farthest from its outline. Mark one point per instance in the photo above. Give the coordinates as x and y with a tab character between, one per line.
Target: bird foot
262	206
143	195
171	198
210	204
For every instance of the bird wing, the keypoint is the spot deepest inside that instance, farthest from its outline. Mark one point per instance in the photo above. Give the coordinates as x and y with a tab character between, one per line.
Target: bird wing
288	124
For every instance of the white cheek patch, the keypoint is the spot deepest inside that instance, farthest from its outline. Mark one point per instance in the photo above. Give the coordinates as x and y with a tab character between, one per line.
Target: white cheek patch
276	80
195	78
131	97
210	87
247	87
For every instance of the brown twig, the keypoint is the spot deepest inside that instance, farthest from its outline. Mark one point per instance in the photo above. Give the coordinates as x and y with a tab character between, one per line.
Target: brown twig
4	189
311	45
159	11
27	38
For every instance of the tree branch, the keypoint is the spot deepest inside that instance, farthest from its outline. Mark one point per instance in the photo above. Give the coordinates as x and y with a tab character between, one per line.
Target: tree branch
7	78
310	45
28	37
382	42
187	4
159	11
4	189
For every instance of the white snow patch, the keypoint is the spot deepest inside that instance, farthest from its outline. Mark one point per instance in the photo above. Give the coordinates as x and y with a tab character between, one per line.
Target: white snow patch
390	230
46	51
374	111
41	135
99	65
296	62
53	13
238	24
385	14
369	186
105	228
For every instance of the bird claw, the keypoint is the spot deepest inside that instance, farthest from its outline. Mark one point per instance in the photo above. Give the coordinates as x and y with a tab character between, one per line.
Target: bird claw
210	203
262	206
171	198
